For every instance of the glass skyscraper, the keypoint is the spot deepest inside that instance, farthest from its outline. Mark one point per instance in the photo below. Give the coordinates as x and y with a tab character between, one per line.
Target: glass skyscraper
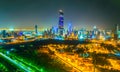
61	22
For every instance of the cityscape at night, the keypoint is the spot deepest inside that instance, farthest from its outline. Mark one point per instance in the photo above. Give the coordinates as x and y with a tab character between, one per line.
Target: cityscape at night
59	36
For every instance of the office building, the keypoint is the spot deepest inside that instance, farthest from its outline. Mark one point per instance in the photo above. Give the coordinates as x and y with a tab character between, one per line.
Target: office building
36	30
61	23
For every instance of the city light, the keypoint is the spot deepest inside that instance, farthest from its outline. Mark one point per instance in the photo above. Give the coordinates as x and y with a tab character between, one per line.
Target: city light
11	29
80	37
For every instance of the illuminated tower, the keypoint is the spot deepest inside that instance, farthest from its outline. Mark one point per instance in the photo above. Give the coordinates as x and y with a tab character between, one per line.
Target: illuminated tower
69	28
61	22
36	29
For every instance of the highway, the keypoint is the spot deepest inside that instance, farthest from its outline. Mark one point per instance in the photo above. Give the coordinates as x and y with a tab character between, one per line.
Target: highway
63	60
23	66
76	63
13	62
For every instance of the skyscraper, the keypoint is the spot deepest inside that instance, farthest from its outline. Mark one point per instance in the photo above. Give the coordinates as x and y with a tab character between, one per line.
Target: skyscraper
4	33
61	22
36	29
117	27
69	28
116	31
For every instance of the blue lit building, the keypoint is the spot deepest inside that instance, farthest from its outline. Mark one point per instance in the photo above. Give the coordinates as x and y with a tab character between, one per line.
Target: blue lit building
95	32
70	28
20	33
61	23
82	34
55	30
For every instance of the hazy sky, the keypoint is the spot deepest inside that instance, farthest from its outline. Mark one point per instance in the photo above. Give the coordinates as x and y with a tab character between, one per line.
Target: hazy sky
81	13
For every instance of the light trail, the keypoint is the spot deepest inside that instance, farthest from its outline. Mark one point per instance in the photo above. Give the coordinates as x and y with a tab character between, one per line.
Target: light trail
19	65
55	52
30	65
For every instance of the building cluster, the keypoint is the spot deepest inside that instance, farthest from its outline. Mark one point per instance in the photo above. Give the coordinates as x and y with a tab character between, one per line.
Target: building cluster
12	36
61	33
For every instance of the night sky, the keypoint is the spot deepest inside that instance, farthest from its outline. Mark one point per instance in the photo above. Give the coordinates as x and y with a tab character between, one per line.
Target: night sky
81	13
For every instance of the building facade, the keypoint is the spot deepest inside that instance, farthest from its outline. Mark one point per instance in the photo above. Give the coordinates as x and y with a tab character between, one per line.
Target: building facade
61	22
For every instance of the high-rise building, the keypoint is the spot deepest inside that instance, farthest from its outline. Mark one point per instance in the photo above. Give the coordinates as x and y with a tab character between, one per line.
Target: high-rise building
36	29
70	28
4	33
55	30
61	22
117	27
118	31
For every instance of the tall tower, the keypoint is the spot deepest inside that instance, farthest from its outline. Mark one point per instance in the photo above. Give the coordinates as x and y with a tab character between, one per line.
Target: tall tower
117	28
36	29
70	28
61	22
116	31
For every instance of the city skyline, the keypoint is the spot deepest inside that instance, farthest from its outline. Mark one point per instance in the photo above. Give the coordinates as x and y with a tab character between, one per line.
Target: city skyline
44	13
59	35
